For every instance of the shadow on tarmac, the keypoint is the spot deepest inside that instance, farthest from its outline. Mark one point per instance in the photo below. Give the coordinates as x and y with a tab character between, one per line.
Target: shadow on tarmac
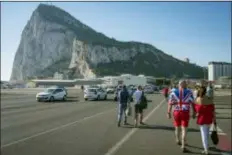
211	149
159	127
72	97
224	117
58	101
223	104
227	108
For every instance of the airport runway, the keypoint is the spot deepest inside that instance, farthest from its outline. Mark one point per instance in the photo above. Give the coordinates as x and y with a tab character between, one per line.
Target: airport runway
78	127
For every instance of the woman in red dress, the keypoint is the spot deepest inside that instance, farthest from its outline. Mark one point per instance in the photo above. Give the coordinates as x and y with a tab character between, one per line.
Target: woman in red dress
205	116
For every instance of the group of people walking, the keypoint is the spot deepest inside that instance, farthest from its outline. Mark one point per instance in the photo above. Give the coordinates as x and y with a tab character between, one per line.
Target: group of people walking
124	106
182	99
180	102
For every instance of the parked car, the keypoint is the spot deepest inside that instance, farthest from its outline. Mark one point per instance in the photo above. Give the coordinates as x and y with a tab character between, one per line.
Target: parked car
62	88
148	90
52	94
95	94
110	90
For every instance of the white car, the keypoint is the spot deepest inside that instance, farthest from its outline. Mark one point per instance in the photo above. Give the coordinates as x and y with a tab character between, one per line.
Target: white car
148	90
110	90
95	94
52	94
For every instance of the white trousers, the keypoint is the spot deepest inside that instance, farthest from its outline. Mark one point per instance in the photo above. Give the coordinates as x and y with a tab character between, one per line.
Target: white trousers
205	135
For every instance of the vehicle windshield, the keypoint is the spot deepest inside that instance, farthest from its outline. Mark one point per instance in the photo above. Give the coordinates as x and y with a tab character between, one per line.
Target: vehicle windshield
49	90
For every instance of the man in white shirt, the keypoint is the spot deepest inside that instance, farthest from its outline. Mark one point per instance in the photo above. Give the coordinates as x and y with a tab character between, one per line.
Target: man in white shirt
138	108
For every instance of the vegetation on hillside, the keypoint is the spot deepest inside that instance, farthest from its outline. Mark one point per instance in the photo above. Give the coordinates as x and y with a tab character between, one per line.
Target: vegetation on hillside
82	31
143	63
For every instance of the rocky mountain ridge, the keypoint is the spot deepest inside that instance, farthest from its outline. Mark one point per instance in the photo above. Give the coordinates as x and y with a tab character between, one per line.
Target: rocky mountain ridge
54	41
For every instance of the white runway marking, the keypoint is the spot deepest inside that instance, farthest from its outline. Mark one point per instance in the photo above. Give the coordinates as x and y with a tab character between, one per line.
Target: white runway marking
130	133
55	129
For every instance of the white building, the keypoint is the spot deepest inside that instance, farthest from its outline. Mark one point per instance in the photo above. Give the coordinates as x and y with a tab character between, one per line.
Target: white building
126	79
218	69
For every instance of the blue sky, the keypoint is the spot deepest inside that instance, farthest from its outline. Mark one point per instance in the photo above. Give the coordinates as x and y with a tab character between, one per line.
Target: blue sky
200	31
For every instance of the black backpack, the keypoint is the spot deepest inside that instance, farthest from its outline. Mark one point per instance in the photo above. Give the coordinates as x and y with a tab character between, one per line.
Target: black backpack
143	101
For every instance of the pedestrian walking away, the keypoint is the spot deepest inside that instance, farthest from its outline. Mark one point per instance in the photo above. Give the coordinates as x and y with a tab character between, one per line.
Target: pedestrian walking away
82	87
205	116
182	100
165	92
123	98
210	91
139	96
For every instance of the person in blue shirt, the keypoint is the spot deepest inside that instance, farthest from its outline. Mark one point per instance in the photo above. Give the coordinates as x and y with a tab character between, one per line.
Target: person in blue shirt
123	97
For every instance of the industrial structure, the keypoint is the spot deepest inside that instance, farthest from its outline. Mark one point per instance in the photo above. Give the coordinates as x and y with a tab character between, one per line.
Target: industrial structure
126	79
218	69
66	83
186	60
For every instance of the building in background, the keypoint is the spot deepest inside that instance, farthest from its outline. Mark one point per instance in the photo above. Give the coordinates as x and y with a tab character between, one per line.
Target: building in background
186	60
218	69
126	79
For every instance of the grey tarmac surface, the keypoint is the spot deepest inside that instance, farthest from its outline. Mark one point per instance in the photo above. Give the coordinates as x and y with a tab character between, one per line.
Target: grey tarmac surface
78	127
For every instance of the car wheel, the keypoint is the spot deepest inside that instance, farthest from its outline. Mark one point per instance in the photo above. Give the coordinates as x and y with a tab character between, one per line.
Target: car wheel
86	99
51	99
64	98
105	98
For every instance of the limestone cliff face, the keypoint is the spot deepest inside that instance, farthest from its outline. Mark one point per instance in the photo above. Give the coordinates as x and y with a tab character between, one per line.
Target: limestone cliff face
54	41
86	56
42	45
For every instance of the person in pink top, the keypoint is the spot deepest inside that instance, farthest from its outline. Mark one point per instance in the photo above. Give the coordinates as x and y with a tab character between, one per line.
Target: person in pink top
205	115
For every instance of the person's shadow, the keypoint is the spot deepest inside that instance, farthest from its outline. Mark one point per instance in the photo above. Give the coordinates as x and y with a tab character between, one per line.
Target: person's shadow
159	127
211	149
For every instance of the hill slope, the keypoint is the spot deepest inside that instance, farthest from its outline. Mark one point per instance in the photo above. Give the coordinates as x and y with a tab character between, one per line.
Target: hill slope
54	41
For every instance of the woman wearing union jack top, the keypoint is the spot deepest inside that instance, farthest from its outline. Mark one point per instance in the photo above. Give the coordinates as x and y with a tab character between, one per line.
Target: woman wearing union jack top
181	100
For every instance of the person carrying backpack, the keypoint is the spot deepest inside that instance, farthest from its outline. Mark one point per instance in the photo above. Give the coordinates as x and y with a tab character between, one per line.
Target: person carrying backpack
140	105
123	97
